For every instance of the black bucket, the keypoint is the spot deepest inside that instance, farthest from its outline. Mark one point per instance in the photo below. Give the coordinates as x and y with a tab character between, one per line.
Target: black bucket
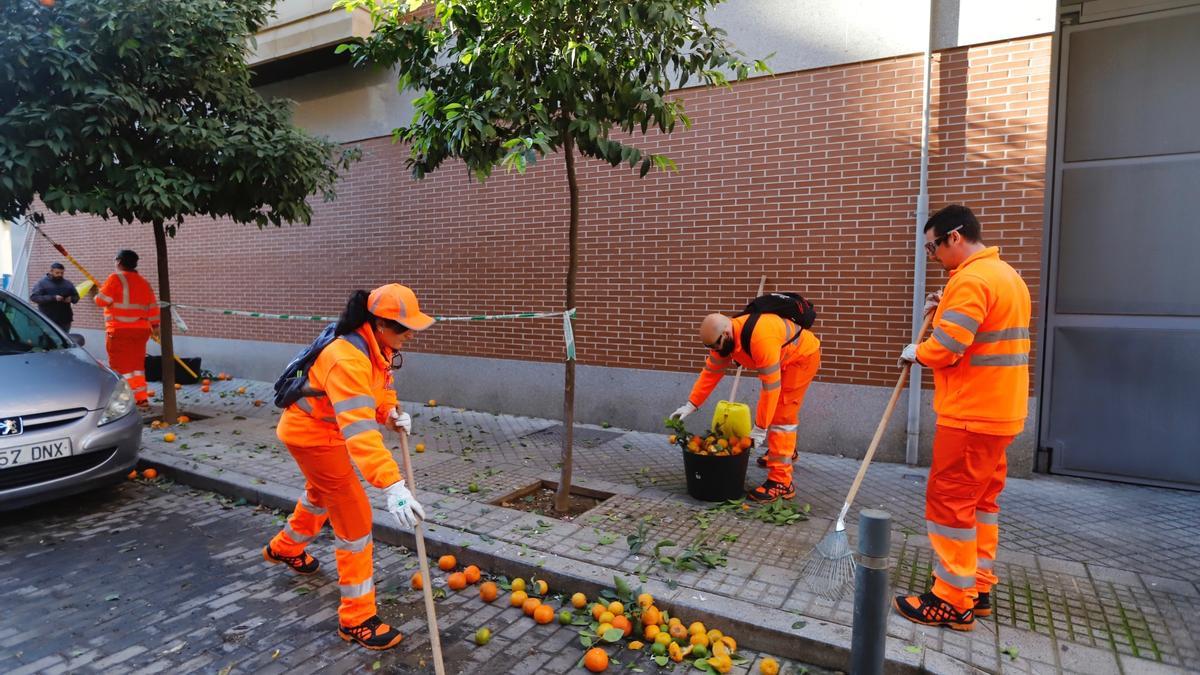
154	370
716	478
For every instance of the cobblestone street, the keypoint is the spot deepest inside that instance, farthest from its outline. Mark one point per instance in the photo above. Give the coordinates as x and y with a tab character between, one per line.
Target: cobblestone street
154	577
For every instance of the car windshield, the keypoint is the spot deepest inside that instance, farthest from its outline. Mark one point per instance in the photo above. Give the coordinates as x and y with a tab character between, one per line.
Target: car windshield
23	330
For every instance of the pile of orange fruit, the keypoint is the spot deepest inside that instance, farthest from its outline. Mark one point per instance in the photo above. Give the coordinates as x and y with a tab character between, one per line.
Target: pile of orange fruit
720	447
639	622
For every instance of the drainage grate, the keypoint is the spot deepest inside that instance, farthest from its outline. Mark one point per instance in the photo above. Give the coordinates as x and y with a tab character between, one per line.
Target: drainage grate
584	437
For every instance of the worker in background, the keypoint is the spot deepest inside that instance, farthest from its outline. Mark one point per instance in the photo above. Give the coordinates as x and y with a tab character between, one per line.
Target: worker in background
786	358
979	354
337	429
130	319
54	296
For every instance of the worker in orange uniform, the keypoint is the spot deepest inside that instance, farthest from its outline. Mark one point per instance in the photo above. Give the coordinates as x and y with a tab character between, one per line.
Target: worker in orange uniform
786	358
336	429
130	319
979	353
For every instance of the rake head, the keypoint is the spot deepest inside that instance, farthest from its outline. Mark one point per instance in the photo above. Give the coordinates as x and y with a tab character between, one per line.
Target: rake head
828	570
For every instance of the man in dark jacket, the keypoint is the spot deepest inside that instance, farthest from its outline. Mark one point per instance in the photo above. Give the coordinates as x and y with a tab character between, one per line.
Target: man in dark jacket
54	295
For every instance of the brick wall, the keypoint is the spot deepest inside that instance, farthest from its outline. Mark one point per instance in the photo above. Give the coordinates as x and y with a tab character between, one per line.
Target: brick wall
808	177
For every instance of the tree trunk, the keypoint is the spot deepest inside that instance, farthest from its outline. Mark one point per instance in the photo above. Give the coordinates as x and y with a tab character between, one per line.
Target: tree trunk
170	410
562	500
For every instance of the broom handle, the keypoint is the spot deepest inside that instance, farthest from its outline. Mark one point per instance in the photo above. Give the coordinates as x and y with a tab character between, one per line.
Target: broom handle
887	415
762	282
419	531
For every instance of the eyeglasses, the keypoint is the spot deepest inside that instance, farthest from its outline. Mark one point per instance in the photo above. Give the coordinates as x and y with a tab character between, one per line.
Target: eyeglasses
716	345
931	246
397	361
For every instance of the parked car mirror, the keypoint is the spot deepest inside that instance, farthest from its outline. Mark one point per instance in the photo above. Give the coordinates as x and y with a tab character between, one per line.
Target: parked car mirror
77	339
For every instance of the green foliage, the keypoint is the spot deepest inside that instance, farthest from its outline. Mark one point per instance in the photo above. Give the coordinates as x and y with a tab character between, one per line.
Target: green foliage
143	110
505	82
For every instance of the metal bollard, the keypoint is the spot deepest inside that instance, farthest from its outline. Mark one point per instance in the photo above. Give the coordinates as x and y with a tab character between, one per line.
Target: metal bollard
871	593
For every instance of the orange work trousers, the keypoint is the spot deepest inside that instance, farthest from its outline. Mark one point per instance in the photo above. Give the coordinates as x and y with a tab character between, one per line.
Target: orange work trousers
961	513
126	349
781	435
332	491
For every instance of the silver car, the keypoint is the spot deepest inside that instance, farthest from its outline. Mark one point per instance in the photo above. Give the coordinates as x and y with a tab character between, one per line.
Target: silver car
67	423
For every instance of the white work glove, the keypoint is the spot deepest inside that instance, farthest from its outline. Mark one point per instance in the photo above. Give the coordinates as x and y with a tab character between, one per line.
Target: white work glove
932	300
683	411
398	421
909	355
403	505
759	436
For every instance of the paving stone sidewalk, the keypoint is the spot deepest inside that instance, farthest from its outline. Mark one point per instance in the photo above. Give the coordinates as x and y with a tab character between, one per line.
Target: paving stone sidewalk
158	578
1097	577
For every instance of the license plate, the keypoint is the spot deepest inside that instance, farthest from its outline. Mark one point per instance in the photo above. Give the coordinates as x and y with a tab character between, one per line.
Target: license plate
34	452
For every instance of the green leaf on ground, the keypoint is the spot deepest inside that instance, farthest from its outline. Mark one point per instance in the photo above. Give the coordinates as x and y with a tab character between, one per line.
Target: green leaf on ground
613	635
111	597
799	624
912	649
1011	652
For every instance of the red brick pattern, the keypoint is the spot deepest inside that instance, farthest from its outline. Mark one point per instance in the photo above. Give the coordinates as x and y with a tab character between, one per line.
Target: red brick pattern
808	177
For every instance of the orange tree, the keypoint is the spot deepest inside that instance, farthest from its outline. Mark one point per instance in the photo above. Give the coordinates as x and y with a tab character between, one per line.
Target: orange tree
506	82
142	110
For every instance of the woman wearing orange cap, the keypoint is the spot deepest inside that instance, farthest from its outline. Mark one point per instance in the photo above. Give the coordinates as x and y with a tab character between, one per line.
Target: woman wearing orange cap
337	428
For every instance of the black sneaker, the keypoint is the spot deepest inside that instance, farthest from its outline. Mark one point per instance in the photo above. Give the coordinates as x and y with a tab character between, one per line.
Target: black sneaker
302	564
983	605
930	610
770	491
372	634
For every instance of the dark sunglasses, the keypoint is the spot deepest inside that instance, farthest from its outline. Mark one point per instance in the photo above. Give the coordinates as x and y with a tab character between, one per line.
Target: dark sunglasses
716	345
931	246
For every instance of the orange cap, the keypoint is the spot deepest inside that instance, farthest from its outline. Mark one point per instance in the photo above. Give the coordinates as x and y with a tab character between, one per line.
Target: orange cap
399	304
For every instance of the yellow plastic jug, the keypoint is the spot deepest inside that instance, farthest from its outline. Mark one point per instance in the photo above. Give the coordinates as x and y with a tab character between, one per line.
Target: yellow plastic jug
731	419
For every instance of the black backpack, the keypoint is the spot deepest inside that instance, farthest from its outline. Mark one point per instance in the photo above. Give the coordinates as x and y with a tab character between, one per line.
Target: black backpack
292	384
790	306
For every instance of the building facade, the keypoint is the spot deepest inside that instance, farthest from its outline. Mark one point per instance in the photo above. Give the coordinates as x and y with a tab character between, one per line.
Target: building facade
808	176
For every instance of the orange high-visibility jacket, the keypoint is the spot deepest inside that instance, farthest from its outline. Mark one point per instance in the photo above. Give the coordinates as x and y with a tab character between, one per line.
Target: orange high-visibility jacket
356	398
979	349
768	356
128	301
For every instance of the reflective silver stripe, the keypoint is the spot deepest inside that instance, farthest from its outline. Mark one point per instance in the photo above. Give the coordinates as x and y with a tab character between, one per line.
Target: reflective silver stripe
768	370
710	369
999	335
126	305
360	427
953	579
128	319
1000	359
124	287
310	507
792	329
296	536
352	546
986	564
307	407
987	517
357	590
772	385
783	428
107	300
353	403
959	319
955	533
946	340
